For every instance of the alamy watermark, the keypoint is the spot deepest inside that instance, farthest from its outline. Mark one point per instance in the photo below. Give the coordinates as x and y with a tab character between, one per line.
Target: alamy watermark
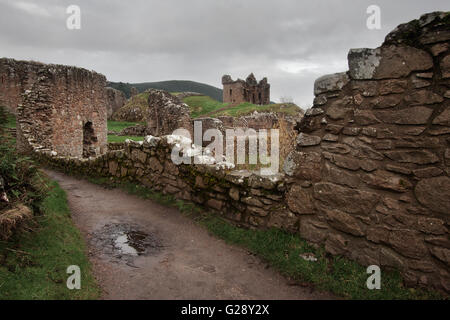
74	280
229	149
374	280
73	21
374	20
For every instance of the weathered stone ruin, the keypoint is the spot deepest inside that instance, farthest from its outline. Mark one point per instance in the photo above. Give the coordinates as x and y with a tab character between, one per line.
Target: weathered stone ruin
370	176
256	121
116	99
64	112
15	78
166	113
240	91
162	112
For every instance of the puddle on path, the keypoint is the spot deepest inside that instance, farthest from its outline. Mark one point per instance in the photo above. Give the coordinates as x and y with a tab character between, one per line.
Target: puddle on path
125	242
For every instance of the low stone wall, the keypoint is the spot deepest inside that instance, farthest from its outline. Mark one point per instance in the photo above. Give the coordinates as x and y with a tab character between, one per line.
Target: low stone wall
114	146
243	197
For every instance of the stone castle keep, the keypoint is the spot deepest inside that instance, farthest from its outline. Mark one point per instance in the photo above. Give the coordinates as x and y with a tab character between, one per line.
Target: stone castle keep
368	179
240	91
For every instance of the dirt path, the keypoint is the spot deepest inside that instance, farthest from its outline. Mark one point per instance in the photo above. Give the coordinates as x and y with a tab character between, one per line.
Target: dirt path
181	260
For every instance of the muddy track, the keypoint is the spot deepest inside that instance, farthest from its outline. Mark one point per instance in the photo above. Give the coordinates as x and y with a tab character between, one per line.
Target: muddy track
167	255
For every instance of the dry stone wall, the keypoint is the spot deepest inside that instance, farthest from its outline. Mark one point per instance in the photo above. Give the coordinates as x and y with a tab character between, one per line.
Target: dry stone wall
370	176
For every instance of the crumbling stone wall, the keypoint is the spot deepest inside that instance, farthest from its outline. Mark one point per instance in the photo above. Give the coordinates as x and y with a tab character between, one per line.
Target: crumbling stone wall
240	91
370	177
166	113
116	99
15	78
65	112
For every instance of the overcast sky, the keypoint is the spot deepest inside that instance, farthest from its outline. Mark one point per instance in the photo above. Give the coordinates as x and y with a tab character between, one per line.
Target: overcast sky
292	42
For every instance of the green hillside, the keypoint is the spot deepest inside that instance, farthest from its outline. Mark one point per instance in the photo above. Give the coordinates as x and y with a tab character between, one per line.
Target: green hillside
246	108
203	106
171	86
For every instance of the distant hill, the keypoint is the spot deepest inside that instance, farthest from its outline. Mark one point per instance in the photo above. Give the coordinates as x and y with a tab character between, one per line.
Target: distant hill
171	86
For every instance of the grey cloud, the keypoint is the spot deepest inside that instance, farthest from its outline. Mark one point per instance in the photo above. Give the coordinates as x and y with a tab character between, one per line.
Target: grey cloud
291	42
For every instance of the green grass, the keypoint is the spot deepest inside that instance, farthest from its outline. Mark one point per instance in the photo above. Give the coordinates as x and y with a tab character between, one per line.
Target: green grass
33	264
115	139
206	106
10	121
118	126
244	109
202	105
282	251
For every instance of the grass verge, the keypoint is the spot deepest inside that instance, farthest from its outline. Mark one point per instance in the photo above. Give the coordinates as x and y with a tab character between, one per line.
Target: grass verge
33	264
283	251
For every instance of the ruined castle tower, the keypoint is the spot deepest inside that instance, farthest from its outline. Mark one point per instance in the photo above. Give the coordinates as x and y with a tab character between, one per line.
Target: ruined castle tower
61	109
239	91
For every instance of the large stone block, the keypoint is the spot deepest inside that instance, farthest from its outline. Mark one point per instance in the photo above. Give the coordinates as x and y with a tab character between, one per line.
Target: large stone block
346	199
300	200
434	193
344	222
330	83
343	161
431	225
393	86
408	243
343	177
385	180
306	140
304	165
387	62
422	97
413	115
414	156
363	62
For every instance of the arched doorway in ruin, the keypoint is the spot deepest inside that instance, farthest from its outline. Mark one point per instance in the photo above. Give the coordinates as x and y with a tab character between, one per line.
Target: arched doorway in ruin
89	140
